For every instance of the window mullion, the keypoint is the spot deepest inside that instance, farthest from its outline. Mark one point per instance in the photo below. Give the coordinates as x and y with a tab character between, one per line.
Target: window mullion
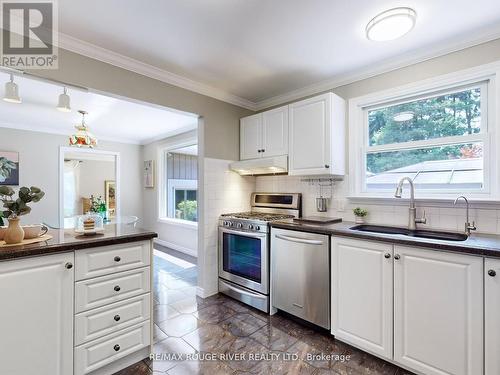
436	142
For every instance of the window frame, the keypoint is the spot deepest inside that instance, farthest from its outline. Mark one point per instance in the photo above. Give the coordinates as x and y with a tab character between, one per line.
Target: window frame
484	77
172	186
184	140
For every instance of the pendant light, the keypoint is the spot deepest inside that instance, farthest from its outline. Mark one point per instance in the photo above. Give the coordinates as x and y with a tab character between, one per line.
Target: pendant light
12	91
82	137
63	104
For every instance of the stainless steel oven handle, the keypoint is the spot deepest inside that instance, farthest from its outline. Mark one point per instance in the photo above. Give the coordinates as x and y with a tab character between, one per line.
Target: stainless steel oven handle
243	233
299	240
243	291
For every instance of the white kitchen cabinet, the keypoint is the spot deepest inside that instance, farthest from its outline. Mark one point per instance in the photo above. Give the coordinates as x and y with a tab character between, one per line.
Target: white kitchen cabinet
275	132
438	311
36	315
251	137
264	134
317	136
492	316
362	293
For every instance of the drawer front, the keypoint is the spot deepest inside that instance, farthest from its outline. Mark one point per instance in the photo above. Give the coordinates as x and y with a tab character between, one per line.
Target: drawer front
104	320
100	352
104	260
104	290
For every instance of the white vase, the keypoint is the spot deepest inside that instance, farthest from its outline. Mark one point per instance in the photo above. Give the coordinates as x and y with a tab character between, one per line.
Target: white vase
359	219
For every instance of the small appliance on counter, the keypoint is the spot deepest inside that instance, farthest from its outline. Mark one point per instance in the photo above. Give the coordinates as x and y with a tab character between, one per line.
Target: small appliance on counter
244	246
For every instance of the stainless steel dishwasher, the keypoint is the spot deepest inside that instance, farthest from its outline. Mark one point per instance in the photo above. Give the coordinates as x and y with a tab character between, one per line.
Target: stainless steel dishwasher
300	275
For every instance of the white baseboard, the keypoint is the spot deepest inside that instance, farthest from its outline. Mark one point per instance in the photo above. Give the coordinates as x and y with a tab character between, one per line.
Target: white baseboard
176	247
200	292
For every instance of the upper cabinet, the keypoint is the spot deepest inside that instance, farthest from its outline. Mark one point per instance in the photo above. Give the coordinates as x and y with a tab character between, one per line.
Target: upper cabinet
317	136
264	134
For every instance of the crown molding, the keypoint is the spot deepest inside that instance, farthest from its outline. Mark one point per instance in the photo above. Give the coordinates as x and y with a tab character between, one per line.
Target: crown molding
388	65
98	53
410	58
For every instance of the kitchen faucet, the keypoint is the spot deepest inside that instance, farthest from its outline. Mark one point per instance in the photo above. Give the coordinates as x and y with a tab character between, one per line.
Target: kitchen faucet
412	217
468	225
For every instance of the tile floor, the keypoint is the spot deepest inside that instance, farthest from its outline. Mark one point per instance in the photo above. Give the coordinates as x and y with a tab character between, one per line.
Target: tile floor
187	324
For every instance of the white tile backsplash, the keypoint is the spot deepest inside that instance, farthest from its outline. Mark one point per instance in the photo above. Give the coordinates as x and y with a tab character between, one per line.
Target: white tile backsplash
445	216
225	192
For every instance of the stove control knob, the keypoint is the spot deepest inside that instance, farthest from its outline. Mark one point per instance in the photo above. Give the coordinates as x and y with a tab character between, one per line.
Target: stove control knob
250	227
231	224
257	227
239	225
224	223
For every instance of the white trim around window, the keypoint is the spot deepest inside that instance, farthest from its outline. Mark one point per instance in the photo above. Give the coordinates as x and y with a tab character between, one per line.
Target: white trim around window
485	77
183	140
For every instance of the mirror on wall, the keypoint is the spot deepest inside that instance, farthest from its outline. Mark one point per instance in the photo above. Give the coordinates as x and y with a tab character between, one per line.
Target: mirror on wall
89	180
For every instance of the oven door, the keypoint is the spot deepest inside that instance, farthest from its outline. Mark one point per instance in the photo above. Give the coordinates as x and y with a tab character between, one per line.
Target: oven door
243	259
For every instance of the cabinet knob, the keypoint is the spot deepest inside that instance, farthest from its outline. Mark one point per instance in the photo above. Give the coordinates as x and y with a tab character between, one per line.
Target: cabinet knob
263	150
117	288
397	257
116	347
69	265
117	318
327	166
492	273
117	258
387	255
259	151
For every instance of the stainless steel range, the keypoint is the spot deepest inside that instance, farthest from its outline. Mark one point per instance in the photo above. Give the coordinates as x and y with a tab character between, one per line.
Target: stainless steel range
244	246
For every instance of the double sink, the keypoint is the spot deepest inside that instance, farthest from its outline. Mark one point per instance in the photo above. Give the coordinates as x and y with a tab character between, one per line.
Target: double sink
421	233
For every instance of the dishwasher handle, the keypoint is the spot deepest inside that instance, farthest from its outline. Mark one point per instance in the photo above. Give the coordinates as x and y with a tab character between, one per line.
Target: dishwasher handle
299	240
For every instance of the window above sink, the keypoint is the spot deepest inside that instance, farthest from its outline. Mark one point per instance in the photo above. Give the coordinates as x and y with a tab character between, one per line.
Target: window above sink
440	133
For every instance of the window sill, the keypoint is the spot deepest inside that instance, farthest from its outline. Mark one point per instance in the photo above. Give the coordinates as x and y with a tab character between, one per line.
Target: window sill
446	201
178	222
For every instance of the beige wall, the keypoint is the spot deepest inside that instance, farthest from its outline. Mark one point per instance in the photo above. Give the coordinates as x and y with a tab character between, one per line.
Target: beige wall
221	119
39	166
179	237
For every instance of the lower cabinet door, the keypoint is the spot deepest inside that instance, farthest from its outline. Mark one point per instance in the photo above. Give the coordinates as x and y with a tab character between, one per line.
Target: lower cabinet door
362	292
36	315
98	353
492	316
438	311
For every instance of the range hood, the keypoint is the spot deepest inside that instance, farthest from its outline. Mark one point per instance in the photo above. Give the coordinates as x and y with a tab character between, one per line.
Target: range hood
273	165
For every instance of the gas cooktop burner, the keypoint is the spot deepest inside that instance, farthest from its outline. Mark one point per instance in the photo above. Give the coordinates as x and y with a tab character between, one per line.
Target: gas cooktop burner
262	216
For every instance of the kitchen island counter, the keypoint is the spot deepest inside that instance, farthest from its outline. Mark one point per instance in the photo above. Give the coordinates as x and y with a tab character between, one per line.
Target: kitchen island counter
67	240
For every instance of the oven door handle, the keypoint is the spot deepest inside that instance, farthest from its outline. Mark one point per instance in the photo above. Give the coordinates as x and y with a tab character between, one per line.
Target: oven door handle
253	295
243	233
299	240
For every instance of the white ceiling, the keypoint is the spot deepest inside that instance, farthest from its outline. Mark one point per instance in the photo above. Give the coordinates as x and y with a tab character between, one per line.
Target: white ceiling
108	118
254	50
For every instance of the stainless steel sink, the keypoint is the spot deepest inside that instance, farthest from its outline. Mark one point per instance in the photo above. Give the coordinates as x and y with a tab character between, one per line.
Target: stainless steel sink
421	233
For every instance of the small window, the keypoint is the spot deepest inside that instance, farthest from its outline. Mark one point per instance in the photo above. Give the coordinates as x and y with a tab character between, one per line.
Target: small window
438	140
180	183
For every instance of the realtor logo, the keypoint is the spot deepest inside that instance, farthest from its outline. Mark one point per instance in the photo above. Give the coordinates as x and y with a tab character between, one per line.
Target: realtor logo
29	34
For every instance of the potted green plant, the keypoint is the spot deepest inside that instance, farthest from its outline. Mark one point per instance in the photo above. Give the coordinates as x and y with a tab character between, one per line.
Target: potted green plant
359	215
14	208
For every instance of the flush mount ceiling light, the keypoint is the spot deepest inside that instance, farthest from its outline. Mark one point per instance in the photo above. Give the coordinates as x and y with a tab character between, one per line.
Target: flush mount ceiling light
391	24
63	104
403	116
12	91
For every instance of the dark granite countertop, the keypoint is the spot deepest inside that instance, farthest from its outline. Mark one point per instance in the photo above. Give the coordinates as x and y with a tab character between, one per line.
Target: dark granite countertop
67	240
476	244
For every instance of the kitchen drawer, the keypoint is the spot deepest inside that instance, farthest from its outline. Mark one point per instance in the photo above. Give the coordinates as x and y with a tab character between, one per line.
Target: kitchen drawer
104	290
99	261
102	321
100	352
